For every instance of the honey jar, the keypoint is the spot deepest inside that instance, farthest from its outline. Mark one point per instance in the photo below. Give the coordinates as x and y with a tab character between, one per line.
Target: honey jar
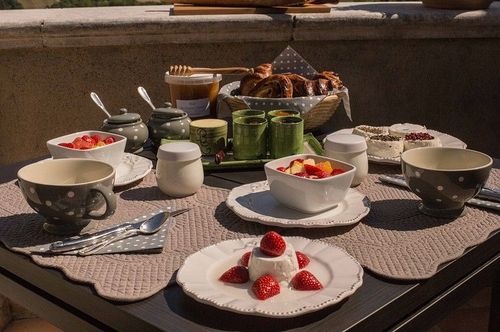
196	94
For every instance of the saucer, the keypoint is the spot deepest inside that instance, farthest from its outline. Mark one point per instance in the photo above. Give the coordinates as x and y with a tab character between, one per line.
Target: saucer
132	168
254	202
339	273
446	141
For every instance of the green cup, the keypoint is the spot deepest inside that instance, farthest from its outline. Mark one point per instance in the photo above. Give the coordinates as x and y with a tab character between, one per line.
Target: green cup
282	112
249	138
287	136
209	134
248	112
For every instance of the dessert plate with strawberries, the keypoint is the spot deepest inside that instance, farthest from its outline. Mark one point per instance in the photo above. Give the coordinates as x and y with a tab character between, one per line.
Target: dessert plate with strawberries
270	276
254	202
423	137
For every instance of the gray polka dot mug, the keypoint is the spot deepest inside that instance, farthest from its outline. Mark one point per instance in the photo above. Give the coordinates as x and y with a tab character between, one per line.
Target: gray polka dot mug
69	192
445	178
129	125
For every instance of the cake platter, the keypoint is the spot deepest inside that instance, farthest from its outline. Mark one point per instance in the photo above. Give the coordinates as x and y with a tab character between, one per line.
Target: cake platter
446	141
254	202
339	273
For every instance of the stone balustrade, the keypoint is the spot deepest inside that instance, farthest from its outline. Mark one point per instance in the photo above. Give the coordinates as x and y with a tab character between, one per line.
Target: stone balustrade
402	62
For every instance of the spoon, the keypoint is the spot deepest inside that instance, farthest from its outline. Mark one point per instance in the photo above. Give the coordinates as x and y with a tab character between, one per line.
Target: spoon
145	96
99	103
147	227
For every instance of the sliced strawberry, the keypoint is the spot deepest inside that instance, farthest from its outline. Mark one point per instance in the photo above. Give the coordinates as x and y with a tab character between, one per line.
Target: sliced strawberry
305	280
312	170
281	169
109	140
337	171
87	138
272	244
322	174
302	259
245	258
67	145
265	287
95	139
236	275
302	174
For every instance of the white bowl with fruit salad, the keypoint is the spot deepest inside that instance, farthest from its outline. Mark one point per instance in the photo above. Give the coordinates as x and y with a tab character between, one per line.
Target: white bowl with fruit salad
91	144
309	183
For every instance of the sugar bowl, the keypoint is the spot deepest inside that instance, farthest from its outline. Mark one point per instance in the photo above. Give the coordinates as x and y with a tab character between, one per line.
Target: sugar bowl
168	122
129	125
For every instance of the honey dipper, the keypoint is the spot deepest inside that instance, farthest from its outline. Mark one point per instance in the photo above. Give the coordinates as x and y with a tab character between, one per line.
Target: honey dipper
183	70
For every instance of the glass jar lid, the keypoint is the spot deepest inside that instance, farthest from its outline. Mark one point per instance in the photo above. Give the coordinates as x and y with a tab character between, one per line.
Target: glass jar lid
195	79
124	117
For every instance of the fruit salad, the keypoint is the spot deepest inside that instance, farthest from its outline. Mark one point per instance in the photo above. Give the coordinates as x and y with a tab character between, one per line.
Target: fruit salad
308	168
267	285
87	142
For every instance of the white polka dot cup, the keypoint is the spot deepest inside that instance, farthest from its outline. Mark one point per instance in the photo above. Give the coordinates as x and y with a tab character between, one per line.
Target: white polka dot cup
445	178
129	125
69	192
110	153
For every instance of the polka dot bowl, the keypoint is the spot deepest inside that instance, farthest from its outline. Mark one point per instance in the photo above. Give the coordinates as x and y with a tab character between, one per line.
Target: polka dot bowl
110	153
68	192
445	178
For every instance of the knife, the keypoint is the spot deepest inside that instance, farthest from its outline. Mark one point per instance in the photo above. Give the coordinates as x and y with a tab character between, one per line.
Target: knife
398	180
78	242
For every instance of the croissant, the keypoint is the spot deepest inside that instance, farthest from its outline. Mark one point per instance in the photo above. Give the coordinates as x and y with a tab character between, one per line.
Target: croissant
274	86
249	81
302	87
334	81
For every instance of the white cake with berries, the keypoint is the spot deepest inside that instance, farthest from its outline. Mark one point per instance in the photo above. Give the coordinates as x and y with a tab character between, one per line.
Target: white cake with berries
282	267
369	131
384	146
403	129
419	140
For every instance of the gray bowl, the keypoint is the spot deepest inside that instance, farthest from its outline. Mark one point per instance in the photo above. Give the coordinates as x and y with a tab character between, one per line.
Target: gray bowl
445	178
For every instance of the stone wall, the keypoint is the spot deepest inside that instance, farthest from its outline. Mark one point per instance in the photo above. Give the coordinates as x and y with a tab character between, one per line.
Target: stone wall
401	62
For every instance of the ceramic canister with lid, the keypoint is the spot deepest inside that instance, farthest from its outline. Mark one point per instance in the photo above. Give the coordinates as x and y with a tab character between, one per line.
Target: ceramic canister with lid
179	171
129	125
168	122
196	94
350	149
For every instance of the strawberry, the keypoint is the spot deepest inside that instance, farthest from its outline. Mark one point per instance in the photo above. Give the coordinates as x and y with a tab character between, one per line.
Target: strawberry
87	138
245	258
109	140
302	259
322	174
265	287
312	170
302	174
337	171
236	275
95	139
281	169
67	145
305	280
272	244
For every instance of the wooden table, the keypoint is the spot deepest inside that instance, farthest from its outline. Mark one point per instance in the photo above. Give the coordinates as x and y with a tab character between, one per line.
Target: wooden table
378	305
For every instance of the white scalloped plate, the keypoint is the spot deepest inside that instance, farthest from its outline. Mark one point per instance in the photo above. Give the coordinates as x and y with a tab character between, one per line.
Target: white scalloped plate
339	273
254	202
446	141
132	168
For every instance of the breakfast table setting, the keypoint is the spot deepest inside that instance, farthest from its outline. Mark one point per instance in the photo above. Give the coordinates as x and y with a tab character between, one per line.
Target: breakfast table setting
223	211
